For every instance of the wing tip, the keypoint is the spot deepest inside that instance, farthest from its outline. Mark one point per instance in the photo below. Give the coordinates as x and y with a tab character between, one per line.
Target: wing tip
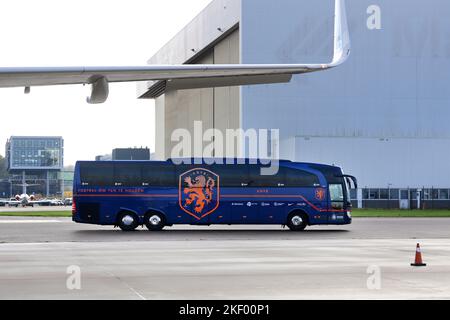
342	44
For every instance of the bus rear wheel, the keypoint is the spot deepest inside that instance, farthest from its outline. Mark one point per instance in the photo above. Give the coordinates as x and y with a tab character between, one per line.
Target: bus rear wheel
154	221
128	221
297	221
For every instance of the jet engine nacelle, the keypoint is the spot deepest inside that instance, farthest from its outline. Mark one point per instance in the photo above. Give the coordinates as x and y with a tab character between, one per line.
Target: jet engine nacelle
99	90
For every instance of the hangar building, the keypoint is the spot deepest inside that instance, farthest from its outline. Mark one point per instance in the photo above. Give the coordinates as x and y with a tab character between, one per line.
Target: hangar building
383	115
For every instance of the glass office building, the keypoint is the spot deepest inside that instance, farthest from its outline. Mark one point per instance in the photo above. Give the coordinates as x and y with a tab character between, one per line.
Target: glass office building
25	153
37	161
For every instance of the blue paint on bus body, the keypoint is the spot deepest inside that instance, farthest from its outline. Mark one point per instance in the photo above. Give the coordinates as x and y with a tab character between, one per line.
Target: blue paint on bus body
209	194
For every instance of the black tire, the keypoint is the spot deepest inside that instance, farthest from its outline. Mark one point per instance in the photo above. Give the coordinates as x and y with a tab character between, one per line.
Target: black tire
154	221
127	221
297	221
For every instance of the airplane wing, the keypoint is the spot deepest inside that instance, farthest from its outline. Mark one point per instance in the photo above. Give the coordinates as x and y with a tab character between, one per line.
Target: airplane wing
223	75
39	202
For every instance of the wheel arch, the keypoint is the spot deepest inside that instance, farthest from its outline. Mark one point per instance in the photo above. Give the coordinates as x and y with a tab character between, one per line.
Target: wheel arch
298	212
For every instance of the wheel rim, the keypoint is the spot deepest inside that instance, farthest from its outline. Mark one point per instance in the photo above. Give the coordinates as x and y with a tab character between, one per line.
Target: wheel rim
155	220
128	220
297	221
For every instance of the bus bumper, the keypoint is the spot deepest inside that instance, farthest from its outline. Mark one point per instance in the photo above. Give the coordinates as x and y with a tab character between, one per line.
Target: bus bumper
341	218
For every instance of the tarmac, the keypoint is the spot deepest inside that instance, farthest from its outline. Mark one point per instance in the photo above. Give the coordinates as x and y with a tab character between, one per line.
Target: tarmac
369	259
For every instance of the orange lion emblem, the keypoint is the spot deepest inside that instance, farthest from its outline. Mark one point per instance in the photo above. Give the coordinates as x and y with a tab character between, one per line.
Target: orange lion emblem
320	194
199	193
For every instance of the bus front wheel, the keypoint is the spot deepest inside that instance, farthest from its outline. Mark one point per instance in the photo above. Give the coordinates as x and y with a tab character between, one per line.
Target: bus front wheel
127	221
154	221
297	221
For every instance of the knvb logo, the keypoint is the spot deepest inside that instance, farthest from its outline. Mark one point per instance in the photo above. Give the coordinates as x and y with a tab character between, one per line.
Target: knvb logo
199	192
320	194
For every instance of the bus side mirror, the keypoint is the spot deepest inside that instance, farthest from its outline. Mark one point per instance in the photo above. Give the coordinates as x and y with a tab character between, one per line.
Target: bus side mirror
354	180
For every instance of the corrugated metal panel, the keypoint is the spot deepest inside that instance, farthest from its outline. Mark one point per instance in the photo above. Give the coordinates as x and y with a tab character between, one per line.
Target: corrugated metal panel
395	87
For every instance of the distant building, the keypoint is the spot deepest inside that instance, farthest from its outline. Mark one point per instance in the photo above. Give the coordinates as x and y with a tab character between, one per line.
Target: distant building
35	164
67	183
5	189
105	157
131	154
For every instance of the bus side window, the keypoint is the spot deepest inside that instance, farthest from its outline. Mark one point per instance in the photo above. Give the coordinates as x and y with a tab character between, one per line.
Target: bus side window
127	175
232	176
299	178
159	175
98	174
259	180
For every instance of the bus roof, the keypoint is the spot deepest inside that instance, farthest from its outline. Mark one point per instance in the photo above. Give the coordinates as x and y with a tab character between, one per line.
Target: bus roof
197	161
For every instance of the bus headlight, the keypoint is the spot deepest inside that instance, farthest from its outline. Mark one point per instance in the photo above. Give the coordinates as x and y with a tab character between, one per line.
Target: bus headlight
349	214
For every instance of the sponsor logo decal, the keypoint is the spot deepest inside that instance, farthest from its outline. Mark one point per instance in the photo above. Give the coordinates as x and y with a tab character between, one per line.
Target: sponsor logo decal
199	192
320	194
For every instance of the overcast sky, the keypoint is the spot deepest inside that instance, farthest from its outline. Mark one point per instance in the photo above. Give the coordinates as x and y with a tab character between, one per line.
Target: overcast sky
78	33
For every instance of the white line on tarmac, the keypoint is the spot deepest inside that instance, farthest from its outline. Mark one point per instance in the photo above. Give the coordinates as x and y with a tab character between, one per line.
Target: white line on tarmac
28	221
127	285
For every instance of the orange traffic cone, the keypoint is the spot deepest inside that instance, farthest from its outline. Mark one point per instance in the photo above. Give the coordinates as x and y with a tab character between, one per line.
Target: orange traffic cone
418	261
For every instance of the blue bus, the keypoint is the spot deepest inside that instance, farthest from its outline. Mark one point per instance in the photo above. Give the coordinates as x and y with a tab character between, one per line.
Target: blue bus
129	194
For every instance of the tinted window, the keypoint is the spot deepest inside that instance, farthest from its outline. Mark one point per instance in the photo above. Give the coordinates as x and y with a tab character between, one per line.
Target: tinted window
97	174
384	194
332	174
394	194
158	175
269	181
232	175
127	174
299	178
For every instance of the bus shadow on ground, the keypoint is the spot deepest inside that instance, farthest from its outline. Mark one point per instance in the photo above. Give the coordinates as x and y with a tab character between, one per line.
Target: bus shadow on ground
198	234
